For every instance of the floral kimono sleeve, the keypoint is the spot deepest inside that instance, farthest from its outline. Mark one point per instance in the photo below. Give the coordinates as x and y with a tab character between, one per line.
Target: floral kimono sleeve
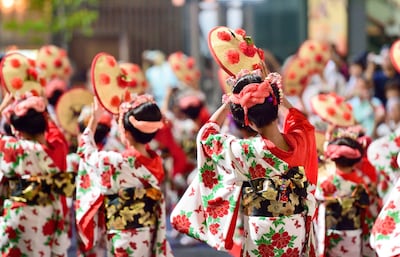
95	172
386	230
208	209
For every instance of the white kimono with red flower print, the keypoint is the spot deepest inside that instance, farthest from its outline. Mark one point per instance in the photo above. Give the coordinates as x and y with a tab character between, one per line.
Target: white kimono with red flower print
208	209
345	242
103	173
385	236
382	154
30	231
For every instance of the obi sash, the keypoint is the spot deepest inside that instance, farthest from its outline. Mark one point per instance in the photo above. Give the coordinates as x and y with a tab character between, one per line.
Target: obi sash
344	213
38	190
281	195
132	208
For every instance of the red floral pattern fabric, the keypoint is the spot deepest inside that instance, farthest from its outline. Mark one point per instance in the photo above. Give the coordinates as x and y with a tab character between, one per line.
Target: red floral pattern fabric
31	230
124	170
209	213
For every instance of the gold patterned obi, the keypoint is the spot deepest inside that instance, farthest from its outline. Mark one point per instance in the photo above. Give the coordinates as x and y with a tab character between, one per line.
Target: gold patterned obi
39	190
132	208
344	213
281	195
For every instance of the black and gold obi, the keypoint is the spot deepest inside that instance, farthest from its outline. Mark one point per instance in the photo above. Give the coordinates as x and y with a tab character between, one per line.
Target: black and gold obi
281	195
132	208
39	190
345	213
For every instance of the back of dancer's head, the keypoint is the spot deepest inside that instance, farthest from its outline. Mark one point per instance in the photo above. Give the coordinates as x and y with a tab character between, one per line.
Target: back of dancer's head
261	114
147	111
32	123
344	151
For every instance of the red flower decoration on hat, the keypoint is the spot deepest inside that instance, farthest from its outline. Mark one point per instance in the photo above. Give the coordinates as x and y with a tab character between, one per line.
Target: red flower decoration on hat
185	68
113	83
333	109
54	62
19	75
239	52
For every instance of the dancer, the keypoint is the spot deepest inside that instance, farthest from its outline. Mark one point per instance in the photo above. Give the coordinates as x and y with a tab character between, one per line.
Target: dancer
271	175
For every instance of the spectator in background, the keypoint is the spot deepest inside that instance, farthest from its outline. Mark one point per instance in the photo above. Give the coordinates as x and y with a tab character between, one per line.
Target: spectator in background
367	109
159	75
380	76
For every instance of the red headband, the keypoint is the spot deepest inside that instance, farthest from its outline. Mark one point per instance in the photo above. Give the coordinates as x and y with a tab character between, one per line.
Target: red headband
337	151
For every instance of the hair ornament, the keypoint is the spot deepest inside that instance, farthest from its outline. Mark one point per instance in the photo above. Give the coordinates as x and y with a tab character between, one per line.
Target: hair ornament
21	107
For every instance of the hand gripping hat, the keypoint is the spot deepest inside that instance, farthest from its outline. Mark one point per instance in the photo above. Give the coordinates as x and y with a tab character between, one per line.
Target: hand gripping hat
54	62
333	109
113	83
185	68
317	52
235	51
395	55
295	76
19	75
69	107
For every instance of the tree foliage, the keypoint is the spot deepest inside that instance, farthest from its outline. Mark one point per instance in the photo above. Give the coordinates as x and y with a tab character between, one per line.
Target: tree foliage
62	17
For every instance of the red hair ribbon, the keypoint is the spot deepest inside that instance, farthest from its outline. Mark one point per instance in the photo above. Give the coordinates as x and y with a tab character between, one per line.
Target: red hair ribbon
337	151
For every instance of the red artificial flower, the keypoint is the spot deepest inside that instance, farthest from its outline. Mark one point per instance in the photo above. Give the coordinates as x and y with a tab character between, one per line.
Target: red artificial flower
85	181
347	116
224	36
104	79
331	111
266	250
214	228
17	83
115	101
111	61
319	58
181	223
209	178
190	63
15	63
247	49
32	73
217	207
241	32
232	56
58	63
49	227
260	53
384	226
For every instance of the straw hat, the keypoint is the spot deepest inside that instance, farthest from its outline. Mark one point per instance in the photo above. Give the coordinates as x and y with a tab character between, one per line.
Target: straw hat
54	62
395	55
333	109
19	75
318	53
185	68
234	50
114	83
295	76
69	107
